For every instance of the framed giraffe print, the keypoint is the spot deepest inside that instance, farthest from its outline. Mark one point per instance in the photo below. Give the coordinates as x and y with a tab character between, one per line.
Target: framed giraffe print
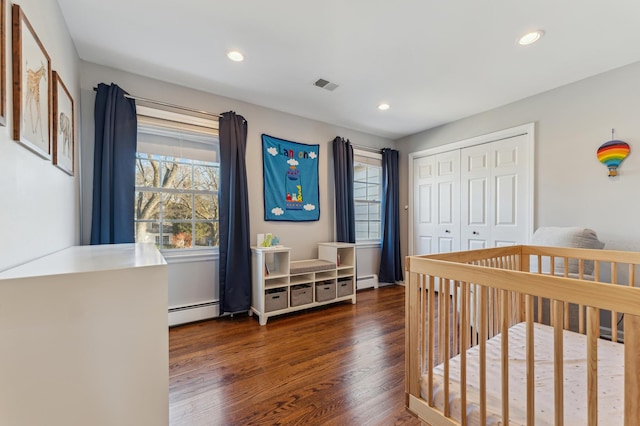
63	126
31	87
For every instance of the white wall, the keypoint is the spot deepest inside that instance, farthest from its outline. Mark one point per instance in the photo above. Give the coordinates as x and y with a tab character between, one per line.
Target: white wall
198	285
38	202
571	185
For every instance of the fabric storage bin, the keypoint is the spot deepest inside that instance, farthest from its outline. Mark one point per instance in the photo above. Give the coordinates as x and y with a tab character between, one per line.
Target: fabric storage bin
325	291
274	299
345	287
301	294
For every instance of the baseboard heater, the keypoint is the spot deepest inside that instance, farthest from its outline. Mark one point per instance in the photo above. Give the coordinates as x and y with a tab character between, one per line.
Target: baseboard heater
605	332
367	281
194	312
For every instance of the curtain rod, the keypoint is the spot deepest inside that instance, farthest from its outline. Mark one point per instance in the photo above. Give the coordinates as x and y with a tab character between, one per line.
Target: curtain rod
151	101
367	148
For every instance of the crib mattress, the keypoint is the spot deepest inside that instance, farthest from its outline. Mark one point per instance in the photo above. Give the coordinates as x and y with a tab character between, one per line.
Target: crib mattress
610	380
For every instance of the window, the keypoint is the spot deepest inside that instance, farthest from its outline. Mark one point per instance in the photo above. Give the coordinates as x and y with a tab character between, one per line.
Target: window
177	175
367	175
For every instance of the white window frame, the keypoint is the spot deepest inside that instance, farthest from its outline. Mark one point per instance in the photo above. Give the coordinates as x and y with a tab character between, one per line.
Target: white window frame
375	156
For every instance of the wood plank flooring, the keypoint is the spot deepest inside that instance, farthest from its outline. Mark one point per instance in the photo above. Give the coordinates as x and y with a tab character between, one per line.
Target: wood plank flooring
337	365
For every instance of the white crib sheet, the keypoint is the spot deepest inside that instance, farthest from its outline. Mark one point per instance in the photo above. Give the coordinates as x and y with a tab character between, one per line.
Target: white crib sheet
610	380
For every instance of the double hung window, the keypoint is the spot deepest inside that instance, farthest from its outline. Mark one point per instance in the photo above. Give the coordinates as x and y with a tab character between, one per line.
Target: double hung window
367	174
177	177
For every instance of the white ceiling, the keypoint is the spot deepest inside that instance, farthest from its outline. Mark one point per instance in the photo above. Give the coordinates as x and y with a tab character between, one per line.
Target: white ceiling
433	61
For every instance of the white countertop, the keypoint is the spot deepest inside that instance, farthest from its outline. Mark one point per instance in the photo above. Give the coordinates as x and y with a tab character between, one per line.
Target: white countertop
78	259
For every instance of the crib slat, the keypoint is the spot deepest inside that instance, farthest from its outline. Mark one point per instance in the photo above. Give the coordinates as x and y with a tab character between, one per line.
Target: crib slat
593	330
441	323
464	331
632	370
558	363
483	354
493	305
505	357
566	304
614	314
424	300
430	353
581	307
454	338
530	363
475	298
539	298
444	342
412	386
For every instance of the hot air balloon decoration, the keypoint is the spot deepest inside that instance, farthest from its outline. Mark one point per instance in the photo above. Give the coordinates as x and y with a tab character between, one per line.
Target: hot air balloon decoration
612	153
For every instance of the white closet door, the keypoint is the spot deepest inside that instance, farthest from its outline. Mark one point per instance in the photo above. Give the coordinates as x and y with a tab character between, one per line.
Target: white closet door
495	199
510	176
424	199
476	207
437	203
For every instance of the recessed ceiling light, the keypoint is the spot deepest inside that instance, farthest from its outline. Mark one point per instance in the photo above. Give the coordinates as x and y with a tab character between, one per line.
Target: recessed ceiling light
235	56
383	107
530	38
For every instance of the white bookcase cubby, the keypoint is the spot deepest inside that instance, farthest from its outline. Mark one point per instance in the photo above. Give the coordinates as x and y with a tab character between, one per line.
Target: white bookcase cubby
281	286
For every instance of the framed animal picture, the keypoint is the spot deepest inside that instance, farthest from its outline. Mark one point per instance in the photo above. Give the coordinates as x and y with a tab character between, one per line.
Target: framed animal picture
63	126
3	69
31	87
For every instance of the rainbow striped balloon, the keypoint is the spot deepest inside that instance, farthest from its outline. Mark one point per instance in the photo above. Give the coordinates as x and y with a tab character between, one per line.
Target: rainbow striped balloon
612	153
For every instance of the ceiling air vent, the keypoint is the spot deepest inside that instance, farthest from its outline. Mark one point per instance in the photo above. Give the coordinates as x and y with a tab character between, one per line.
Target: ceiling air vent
326	85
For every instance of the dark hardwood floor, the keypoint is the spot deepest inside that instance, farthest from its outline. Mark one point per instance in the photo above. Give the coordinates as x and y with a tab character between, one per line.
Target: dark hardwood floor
337	365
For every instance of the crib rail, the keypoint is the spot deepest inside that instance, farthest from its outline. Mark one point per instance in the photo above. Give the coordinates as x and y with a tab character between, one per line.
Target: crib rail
457	301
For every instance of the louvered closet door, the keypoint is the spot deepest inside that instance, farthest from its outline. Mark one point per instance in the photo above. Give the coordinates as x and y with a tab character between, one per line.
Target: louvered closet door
494	194
437	203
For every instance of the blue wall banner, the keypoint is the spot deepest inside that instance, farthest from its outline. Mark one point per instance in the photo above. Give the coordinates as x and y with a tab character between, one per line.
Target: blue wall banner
291	191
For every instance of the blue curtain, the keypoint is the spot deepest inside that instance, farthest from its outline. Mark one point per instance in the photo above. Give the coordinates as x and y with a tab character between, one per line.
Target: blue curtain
235	251
114	166
343	172
390	259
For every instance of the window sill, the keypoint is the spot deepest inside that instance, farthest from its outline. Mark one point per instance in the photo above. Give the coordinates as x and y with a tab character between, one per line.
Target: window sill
192	255
368	244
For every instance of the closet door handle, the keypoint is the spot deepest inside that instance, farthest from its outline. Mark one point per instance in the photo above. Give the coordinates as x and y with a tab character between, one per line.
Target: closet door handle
447	231
475	233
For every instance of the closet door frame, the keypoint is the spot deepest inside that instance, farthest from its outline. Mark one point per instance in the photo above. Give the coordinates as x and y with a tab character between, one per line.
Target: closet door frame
525	129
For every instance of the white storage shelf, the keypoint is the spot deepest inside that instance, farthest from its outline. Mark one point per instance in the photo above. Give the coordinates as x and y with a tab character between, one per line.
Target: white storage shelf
272	280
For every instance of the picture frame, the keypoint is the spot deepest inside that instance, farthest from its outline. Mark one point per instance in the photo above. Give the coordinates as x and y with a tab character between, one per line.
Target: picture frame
3	65
31	87
63	126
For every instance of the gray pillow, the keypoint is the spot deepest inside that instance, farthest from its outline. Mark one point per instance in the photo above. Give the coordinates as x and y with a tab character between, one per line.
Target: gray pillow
572	237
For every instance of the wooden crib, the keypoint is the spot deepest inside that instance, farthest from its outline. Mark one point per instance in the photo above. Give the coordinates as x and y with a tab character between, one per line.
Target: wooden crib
488	342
